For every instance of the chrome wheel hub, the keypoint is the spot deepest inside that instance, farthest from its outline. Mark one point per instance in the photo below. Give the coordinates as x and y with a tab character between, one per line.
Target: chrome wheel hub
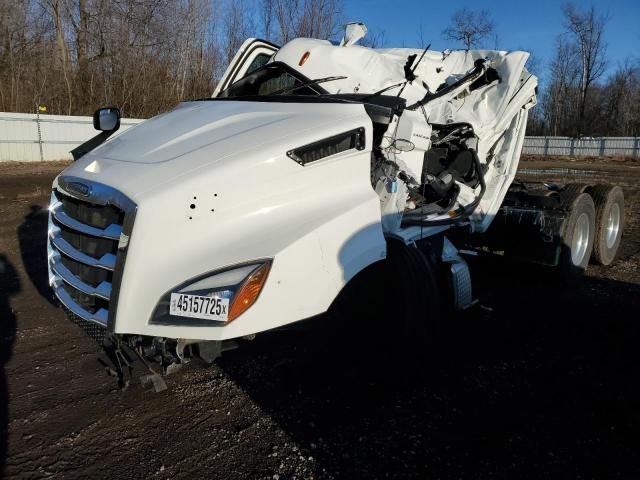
613	225
580	240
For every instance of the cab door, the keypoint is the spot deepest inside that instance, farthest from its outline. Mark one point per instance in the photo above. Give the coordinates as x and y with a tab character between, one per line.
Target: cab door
252	55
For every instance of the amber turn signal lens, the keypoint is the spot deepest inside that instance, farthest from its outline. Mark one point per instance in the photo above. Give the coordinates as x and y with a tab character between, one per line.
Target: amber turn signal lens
248	293
304	58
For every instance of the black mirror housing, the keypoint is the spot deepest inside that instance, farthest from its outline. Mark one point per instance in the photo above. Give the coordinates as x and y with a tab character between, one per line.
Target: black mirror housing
106	119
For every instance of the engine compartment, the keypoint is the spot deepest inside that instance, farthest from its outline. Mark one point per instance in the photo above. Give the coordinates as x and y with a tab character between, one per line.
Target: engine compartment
432	179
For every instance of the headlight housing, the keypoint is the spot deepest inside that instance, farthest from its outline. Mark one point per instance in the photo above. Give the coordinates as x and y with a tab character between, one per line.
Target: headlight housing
238	287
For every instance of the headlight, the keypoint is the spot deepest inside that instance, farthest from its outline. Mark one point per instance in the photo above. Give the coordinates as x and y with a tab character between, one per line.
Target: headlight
214	298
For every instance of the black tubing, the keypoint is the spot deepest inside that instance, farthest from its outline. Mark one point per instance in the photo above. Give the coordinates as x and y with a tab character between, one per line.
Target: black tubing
478	69
468	210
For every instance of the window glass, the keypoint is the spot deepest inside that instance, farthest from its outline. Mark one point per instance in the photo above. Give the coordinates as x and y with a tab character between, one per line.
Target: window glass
269	79
277	83
258	62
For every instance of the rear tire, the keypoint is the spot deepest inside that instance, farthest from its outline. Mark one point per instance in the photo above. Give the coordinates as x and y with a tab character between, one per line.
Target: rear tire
609	203
577	238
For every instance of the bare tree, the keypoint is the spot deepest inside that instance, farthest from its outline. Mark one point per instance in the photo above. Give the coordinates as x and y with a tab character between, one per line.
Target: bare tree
140	55
237	27
497	41
267	8
288	19
62	53
144	56
621	100
559	97
374	39
586	29
469	27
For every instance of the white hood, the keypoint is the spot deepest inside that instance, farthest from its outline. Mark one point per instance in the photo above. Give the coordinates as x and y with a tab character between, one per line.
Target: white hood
192	126
208	134
210	195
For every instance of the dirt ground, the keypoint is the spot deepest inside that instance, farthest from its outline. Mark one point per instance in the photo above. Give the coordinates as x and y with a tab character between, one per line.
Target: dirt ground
540	383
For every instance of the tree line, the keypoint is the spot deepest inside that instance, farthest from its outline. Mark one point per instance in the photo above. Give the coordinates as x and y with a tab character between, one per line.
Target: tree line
576	97
579	99
144	56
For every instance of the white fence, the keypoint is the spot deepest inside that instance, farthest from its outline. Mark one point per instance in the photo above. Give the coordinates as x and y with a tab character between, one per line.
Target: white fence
583	147
28	138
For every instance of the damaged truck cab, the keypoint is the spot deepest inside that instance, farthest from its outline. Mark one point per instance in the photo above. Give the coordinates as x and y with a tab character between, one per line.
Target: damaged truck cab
252	209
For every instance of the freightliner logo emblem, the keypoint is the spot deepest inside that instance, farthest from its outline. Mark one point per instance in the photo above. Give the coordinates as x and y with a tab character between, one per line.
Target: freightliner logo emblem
78	188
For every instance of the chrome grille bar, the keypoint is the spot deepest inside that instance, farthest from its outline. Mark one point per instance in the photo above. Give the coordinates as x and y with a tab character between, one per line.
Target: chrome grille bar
101	316
112	232
107	261
103	290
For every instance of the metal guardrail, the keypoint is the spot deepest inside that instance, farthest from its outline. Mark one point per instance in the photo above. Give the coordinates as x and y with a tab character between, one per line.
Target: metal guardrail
582	147
35	137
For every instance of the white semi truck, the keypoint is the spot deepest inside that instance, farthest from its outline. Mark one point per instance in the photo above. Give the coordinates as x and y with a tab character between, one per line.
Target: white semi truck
253	209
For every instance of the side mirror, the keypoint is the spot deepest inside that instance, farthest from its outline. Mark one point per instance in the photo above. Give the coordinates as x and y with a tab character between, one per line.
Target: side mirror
106	119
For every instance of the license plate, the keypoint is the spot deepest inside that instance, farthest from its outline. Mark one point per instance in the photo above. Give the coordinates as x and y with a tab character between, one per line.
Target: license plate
195	306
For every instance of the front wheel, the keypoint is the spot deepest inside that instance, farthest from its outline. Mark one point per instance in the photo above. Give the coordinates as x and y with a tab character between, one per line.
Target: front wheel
392	308
411	280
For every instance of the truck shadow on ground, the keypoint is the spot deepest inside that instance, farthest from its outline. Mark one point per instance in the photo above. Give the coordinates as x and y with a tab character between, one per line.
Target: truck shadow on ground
543	384
9	286
32	236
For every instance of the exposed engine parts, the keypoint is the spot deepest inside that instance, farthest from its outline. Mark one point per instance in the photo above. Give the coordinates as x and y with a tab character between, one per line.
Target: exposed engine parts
432	188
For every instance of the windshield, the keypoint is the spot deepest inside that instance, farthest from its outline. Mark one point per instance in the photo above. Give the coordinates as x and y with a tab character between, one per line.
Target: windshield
278	82
271	79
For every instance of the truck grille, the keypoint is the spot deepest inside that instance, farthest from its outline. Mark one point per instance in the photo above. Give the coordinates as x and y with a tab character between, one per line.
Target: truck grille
85	262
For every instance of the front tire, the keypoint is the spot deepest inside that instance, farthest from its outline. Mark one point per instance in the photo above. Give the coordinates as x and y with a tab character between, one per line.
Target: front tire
411	279
391	310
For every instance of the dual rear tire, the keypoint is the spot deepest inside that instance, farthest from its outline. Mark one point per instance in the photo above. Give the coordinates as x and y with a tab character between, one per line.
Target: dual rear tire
578	237
609	203
593	230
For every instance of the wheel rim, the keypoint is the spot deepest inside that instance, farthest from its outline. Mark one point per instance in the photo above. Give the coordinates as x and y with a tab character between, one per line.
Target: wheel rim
580	240
613	225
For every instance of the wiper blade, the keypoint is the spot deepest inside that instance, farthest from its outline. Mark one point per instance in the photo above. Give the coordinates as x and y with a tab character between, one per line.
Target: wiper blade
293	88
381	91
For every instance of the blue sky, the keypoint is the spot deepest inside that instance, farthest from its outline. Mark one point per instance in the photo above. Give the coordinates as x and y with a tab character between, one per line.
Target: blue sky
528	25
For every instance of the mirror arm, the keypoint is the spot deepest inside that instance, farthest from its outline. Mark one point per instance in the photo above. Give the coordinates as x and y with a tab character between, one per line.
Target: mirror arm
90	144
